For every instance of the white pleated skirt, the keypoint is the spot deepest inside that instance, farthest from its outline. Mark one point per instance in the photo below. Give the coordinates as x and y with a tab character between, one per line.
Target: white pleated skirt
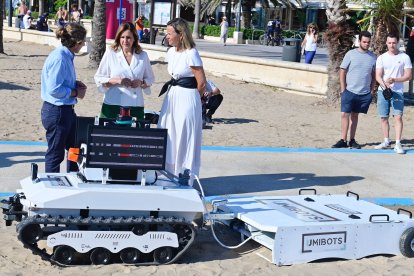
181	116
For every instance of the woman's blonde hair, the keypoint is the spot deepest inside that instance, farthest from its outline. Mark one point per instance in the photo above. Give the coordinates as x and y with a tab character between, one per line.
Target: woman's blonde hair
71	34
314	26
122	28
181	27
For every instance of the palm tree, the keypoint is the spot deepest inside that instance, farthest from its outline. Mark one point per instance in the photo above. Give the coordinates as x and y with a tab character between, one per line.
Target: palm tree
338	36
98	34
1	27
387	16
197	5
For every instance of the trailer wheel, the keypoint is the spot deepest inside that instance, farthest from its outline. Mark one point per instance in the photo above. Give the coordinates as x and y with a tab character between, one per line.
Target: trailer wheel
129	255
100	256
407	243
64	254
163	255
32	233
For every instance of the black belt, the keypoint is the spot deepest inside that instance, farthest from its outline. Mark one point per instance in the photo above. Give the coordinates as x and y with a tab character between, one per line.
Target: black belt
187	82
71	106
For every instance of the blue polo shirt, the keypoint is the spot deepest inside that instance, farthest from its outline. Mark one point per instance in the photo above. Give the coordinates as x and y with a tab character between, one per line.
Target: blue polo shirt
59	77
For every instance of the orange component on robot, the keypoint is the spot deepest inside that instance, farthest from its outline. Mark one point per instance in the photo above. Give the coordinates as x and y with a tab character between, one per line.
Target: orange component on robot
74	154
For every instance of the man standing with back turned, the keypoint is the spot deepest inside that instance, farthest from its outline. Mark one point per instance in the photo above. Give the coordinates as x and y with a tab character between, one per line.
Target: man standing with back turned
357	80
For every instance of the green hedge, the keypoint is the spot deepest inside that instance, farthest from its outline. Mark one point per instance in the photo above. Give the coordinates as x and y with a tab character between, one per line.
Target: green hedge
209	30
247	33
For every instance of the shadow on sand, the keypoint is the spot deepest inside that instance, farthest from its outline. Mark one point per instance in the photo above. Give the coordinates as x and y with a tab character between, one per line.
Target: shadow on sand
12	86
8	159
240	184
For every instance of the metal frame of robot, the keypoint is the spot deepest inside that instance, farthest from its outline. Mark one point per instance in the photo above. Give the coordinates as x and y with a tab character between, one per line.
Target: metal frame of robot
311	227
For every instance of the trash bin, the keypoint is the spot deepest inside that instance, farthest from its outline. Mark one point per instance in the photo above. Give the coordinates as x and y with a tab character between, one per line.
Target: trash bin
291	50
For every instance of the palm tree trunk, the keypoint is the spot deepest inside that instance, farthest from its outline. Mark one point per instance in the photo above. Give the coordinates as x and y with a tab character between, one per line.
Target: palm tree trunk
197	5
98	34
339	37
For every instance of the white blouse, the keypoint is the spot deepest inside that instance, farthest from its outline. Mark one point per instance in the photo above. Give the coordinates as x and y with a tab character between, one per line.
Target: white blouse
114	64
179	62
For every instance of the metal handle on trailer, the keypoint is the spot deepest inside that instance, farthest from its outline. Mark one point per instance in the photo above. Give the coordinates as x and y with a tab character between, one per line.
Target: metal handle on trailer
379	215
310	190
399	210
351	193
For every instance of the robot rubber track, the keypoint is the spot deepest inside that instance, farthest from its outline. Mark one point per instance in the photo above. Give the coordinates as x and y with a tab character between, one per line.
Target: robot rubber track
31	230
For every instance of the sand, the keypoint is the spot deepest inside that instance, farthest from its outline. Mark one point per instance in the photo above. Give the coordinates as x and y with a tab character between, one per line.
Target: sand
251	115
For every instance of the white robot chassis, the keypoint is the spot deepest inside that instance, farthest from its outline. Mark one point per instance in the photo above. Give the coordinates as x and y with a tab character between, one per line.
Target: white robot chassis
116	209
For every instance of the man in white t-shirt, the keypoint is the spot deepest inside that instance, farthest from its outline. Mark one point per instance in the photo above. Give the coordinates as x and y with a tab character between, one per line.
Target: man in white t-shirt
393	68
27	20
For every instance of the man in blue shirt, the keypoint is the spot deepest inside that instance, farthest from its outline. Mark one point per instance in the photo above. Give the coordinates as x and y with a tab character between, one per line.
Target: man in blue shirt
59	91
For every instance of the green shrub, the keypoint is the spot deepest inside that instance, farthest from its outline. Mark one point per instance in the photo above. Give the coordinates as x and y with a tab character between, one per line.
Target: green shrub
60	3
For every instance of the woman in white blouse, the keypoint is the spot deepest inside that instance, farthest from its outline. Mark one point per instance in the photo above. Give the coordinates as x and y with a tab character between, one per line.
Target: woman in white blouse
309	43
124	74
181	109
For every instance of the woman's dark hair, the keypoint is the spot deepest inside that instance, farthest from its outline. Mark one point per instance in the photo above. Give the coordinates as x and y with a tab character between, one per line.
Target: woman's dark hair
122	28
71	34
181	27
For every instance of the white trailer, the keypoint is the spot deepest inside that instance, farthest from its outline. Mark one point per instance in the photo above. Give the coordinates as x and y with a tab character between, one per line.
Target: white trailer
305	228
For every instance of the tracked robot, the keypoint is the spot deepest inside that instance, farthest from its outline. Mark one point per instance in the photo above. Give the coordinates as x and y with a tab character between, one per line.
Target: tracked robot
122	206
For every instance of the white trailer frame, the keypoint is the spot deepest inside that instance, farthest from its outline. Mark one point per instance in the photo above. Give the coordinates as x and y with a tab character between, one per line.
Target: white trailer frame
305	228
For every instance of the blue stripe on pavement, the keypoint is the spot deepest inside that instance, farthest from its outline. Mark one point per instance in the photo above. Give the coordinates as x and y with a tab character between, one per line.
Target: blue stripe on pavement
6	194
247	149
314	150
23	143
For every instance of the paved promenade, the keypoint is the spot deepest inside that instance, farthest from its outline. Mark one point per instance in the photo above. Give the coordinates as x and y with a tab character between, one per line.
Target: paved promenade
254	51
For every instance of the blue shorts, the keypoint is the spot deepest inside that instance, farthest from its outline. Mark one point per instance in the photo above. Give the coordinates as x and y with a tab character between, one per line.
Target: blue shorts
351	102
396	102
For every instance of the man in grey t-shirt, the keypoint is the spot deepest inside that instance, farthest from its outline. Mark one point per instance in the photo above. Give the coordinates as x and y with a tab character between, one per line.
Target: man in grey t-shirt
357	80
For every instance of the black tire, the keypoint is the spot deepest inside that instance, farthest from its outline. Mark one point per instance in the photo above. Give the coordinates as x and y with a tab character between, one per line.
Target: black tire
64	254
32	233
163	255
100	256
130	255
407	243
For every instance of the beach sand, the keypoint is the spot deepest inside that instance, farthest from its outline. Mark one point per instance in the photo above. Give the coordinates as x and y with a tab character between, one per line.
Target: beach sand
251	115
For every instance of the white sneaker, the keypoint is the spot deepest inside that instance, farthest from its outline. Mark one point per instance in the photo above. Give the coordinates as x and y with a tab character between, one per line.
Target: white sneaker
398	149
383	145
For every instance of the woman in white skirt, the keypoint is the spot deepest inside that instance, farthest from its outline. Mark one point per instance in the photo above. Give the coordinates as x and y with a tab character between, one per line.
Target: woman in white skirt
181	109
224	28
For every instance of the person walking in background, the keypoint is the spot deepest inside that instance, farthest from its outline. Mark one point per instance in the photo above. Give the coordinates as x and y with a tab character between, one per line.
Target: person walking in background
224	28
309	43
60	91
181	109
139	26
123	75
393	68
357	80
211	101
